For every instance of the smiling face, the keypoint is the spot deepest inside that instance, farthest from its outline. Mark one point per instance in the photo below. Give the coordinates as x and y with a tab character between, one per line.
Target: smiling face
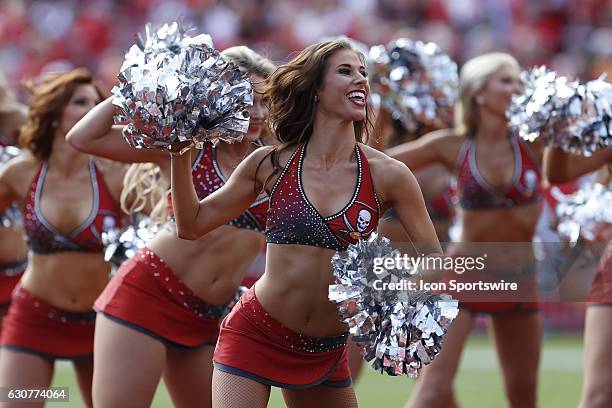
258	112
496	95
344	89
84	98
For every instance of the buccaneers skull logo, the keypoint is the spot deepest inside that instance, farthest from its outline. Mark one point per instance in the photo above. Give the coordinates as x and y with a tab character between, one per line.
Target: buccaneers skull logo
357	223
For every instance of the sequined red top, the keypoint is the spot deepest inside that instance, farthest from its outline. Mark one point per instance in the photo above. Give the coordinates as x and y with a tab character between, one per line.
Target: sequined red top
292	219
207	178
44	238
475	193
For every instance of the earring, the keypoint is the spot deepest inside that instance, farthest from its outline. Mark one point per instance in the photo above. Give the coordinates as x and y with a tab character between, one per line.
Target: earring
480	100
316	98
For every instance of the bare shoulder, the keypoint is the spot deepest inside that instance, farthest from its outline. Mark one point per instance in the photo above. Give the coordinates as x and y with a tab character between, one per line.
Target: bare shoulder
263	164
24	162
262	156
20	171
378	160
261	152
257	159
387	172
255	164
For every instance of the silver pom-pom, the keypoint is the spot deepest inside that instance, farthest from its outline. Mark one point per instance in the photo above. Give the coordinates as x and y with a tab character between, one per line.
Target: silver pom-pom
401	330
596	130
7	153
562	113
11	216
177	88
417	82
582	213
120	244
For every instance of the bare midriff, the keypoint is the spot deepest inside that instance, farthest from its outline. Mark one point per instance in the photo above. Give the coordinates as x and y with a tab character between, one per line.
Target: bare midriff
294	289
213	265
67	280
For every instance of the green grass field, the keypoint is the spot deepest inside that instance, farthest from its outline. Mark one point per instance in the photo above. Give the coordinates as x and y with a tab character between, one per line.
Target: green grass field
478	384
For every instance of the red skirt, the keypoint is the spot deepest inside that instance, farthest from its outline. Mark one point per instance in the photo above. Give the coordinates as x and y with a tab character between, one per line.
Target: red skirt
10	274
34	326
601	289
254	345
147	296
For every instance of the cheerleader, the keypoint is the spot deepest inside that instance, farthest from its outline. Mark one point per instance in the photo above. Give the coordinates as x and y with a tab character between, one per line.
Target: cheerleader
326	190
160	313
498	187
67	199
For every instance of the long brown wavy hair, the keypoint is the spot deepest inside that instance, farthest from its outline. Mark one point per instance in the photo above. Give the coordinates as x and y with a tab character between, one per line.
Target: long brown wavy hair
50	95
291	92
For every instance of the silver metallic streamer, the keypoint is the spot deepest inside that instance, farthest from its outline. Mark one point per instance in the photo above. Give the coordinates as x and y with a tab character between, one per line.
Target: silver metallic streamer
120	244
581	214
562	113
10	217
417	82
400	330
177	88
7	153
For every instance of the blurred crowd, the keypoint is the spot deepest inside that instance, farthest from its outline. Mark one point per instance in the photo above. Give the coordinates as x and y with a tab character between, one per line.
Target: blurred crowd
571	36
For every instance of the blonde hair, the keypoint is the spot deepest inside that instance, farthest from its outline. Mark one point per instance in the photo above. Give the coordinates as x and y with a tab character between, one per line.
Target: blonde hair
474	75
144	191
248	61
252	63
143	185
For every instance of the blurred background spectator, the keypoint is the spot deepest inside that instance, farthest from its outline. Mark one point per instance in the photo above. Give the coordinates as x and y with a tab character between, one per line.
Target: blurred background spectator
571	36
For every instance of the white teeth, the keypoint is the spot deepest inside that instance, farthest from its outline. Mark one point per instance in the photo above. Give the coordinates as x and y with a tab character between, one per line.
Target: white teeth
356	94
